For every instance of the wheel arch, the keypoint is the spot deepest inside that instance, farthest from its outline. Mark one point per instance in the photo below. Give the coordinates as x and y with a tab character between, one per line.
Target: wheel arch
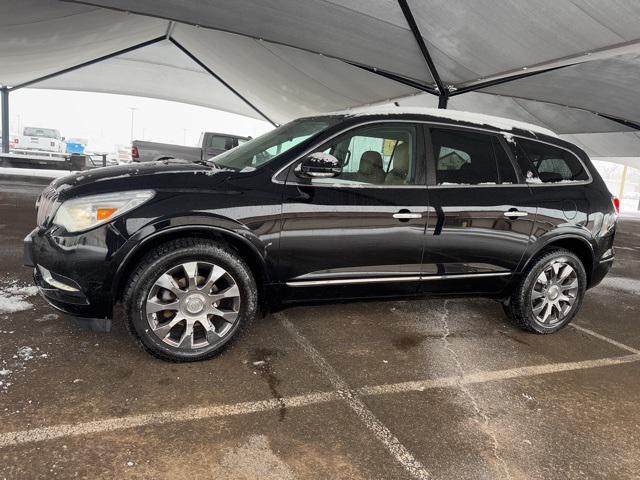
247	250
576	244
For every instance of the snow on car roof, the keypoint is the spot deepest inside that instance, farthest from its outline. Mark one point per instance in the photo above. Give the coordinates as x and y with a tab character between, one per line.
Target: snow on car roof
457	115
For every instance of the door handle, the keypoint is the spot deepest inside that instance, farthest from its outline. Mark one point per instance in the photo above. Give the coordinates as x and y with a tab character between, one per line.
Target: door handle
515	214
404	215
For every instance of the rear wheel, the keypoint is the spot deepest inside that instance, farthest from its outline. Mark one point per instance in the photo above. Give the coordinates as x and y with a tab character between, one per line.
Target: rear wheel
550	292
188	298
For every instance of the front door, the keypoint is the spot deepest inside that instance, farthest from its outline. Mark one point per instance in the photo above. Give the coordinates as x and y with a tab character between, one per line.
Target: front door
361	233
482	213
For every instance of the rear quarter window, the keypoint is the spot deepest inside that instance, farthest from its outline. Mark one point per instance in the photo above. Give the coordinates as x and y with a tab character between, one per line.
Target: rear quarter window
549	164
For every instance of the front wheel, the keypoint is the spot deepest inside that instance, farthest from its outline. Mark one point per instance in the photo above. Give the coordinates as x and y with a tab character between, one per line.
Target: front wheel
188	298
550	292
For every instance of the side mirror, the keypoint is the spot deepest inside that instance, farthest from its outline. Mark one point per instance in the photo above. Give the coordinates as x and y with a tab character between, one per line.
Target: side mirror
319	165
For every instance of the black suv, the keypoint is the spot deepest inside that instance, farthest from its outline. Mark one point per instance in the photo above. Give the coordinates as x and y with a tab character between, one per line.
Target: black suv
377	204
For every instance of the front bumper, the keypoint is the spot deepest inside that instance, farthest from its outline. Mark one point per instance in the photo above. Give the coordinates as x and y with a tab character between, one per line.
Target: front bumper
74	274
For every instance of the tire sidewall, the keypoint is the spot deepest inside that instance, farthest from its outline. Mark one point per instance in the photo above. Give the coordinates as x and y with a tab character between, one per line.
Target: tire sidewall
204	253
527	289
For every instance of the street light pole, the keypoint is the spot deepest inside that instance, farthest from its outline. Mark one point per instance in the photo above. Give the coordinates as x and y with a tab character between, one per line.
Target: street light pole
133	110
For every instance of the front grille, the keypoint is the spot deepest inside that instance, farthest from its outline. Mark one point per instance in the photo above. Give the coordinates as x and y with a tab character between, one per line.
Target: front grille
45	204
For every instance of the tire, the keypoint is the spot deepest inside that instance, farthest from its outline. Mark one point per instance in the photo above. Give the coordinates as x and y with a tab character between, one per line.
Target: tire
188	299
528	304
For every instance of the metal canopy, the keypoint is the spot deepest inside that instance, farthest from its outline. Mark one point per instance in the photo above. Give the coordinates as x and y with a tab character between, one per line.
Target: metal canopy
569	65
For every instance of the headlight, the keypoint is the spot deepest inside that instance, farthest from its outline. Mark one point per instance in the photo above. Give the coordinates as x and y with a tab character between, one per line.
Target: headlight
84	213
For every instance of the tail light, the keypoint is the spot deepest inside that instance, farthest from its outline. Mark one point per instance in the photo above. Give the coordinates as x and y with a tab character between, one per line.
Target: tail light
616	205
134	152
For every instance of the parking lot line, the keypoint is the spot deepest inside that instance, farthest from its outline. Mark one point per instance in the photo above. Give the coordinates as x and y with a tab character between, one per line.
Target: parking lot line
160	418
226	410
605	339
496	375
350	396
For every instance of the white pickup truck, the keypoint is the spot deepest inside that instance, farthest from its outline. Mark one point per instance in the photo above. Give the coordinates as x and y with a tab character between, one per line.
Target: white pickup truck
209	145
42	139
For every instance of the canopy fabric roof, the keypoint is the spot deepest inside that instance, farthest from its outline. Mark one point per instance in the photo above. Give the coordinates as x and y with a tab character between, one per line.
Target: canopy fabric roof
571	65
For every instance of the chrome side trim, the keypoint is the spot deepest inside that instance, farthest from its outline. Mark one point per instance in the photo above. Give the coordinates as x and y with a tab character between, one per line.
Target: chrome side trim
422	278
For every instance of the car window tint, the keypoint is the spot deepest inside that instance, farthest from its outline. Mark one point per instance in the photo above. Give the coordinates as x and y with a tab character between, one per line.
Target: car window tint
375	155
551	164
468	158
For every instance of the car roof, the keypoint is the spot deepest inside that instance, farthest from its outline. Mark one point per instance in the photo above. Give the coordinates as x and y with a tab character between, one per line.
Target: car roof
479	119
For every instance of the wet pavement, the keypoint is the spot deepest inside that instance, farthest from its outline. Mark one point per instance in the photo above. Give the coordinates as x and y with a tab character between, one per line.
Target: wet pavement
406	389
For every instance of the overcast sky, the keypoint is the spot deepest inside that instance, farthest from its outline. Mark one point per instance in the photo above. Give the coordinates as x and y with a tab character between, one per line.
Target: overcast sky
105	119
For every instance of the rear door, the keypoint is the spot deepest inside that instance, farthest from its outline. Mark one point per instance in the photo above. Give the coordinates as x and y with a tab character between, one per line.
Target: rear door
360	234
482	212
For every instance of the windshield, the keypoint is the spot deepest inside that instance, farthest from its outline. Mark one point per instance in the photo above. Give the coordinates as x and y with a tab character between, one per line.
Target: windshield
40	132
261	150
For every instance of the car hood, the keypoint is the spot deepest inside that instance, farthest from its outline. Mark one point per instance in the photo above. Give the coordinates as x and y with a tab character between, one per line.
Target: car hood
166	174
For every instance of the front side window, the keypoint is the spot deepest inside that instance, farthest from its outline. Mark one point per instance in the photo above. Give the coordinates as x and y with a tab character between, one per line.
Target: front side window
261	150
549	164
469	158
381	154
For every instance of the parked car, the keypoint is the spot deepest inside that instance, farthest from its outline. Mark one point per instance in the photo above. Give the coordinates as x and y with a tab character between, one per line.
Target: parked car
209	145
376	204
42	139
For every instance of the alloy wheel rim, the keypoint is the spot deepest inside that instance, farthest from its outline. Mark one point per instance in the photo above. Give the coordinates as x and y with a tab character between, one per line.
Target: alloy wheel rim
193	305
554	293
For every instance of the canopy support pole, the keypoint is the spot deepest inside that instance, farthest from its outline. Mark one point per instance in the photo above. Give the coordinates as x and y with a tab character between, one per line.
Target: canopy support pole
396	78
218	78
443	100
88	63
443	91
459	90
4	92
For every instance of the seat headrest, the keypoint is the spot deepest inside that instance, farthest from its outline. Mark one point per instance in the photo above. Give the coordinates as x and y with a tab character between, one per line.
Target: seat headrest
401	157
370	162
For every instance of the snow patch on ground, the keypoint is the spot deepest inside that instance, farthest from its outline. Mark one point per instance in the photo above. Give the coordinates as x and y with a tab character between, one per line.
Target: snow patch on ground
47	318
17	364
25	353
13	298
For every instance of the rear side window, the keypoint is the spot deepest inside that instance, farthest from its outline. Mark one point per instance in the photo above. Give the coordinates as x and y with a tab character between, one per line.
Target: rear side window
468	158
551	164
221	143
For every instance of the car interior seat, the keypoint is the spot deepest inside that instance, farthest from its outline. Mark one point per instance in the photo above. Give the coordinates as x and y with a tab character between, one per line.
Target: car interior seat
370	168
400	171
